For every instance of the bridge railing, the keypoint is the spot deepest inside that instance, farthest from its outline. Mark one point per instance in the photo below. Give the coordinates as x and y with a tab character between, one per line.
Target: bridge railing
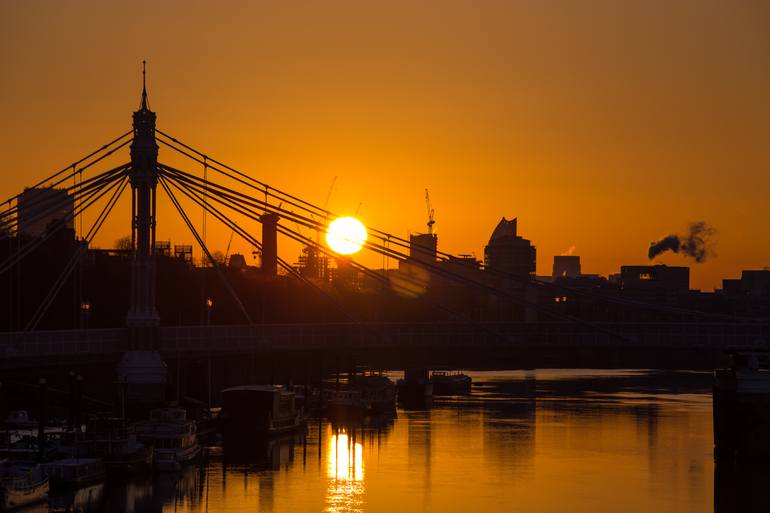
39	344
312	336
322	336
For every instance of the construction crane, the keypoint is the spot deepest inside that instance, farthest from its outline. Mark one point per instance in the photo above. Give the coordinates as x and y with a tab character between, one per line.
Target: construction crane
326	205
329	194
431	212
227	251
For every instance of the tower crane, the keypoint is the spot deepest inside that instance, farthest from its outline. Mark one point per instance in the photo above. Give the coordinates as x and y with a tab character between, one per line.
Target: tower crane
326	205
431	212
329	194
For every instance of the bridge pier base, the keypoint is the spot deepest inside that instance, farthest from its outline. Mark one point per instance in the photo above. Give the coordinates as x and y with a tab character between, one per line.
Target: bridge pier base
143	376
416	390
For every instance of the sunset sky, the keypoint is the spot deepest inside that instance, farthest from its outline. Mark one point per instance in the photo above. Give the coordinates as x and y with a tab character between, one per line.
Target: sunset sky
599	124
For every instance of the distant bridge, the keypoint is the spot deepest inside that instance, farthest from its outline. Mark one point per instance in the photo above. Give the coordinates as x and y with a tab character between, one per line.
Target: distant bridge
395	345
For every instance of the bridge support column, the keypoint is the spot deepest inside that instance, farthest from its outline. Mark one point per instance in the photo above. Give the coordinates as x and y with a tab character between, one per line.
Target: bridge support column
416	390
142	371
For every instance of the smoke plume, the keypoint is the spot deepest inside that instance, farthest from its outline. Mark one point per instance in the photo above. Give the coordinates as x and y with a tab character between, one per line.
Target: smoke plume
569	251
696	244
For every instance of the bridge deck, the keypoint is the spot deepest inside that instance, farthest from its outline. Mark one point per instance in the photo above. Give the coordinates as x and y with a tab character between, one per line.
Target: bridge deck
46	348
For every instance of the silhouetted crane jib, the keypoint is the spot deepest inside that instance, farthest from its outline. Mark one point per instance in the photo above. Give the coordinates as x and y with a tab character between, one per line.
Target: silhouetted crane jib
431	213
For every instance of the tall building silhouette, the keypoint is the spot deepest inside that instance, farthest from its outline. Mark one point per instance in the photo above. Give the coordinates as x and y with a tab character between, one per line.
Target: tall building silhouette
509	253
566	266
423	247
40	206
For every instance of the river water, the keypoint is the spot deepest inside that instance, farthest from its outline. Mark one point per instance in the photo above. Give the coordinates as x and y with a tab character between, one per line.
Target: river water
525	441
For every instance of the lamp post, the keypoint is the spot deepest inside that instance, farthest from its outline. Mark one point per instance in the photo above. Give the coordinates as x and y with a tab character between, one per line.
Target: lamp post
85	310
209	306
41	417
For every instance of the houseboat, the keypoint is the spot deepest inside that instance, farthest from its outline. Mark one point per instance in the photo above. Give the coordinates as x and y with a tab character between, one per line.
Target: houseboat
360	395
741	405
173	437
342	402
19	419
450	383
378	392
21	484
259	410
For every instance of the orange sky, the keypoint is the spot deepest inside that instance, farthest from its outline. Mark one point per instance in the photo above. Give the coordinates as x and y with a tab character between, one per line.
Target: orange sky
600	124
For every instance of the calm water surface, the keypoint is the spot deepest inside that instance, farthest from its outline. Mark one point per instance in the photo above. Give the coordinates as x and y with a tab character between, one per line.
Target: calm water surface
529	441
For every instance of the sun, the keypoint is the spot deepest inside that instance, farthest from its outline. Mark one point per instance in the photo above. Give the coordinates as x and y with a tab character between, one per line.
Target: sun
346	235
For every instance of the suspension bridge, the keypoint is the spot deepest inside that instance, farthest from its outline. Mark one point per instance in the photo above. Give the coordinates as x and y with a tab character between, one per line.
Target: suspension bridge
230	196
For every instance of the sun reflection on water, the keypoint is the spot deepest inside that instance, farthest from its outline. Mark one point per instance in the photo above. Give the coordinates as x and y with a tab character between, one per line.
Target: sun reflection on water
345	471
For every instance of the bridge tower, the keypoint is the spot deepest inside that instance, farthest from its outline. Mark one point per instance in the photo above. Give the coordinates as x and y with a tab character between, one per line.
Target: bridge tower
141	370
142	318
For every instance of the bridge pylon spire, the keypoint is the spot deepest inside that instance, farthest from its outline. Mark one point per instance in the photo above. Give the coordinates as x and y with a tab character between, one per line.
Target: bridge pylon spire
144	105
142	318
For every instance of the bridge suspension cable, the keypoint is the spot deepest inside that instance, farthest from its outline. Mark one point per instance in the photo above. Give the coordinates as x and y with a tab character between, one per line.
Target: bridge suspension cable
77	255
42	207
214	263
73	167
224	219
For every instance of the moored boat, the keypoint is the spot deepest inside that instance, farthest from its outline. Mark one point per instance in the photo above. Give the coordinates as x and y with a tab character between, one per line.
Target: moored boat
74	472
108	439
262	410
343	402
173	437
21	484
378	392
360	395
19	419
450	383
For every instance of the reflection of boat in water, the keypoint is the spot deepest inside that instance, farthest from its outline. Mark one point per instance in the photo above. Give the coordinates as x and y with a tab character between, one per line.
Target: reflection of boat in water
450	383
88	498
21	484
741	400
172	435
263	453
259	410
74	472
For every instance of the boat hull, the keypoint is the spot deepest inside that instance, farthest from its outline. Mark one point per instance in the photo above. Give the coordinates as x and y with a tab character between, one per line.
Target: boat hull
168	461
17	498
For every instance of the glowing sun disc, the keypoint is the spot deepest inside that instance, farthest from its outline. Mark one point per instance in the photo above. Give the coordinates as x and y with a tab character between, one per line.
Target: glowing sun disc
346	235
